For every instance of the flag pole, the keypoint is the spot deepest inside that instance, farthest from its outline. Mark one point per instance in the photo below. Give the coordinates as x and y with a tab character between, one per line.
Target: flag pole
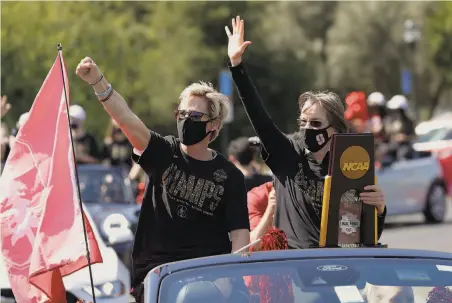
60	50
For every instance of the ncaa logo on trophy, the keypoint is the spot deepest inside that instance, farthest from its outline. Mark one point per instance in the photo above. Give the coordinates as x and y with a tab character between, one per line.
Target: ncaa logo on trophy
354	162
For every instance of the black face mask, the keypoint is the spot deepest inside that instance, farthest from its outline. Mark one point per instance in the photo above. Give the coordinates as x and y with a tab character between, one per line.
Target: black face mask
315	139
191	132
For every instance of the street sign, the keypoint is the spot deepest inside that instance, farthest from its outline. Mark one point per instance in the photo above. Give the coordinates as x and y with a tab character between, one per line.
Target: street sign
226	88
406	82
225	83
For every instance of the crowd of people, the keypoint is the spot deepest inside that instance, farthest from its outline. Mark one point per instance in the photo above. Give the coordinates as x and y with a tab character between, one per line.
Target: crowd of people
389	121
201	203
115	149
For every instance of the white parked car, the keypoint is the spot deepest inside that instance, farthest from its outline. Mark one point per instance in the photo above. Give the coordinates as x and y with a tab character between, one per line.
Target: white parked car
422	185
111	279
414	186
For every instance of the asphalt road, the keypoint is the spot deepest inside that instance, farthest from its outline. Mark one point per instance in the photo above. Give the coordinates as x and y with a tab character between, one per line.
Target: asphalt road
411	232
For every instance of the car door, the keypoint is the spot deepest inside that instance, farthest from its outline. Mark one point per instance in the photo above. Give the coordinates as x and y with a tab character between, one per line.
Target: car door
406	183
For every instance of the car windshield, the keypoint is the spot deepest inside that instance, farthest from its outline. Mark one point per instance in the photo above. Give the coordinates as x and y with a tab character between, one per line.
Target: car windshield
434	135
315	280
104	186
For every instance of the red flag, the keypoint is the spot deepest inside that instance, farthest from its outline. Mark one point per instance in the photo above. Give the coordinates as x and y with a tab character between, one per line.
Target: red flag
41	227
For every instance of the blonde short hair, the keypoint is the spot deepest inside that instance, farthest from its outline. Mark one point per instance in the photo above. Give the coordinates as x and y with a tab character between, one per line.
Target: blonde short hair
218	104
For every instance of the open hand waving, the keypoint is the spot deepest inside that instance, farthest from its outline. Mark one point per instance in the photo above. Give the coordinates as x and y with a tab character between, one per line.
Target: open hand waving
237	45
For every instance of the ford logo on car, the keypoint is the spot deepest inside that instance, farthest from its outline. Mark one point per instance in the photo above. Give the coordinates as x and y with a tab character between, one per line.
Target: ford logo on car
332	267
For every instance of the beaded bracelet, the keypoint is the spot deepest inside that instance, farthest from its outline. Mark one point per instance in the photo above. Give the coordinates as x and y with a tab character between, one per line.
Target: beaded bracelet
100	79
108	97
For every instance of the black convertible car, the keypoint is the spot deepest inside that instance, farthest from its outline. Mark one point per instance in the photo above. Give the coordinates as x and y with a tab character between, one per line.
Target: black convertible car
308	276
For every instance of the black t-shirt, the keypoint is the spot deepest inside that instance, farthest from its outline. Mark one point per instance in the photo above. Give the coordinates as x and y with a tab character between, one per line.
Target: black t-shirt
299	179
299	190
188	209
87	144
256	180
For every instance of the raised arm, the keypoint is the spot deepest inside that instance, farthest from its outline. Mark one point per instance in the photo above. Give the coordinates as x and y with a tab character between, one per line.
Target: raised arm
271	137
135	130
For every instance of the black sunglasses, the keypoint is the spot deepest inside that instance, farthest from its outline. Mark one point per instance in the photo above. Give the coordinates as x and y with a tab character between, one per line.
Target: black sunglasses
313	123
190	114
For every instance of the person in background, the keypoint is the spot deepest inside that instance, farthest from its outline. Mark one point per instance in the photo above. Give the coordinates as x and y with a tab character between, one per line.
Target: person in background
20	122
258	163
262	204
241	154
399	125
356	112
376	104
4	145
117	150
196	205
141	180
399	128
299	166
261	209
86	149
22	119
4	106
4	132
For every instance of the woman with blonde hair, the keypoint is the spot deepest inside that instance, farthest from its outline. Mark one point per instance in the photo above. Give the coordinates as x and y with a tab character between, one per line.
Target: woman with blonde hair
196	197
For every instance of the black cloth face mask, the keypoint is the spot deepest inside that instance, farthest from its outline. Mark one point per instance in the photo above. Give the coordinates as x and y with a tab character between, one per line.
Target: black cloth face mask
315	139
191	132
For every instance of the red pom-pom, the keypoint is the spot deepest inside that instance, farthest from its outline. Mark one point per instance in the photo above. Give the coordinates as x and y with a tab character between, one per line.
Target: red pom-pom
278	287
440	295
356	106
274	239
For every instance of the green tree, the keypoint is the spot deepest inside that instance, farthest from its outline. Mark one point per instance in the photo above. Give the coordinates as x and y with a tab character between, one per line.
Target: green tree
439	50
367	51
147	50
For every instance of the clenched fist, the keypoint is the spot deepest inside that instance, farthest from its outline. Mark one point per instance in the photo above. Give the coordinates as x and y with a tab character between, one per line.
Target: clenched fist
88	70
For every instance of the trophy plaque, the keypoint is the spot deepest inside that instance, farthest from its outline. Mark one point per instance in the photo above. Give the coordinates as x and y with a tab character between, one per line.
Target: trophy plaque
346	221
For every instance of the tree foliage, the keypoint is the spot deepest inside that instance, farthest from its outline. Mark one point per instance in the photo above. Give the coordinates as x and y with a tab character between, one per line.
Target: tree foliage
151	50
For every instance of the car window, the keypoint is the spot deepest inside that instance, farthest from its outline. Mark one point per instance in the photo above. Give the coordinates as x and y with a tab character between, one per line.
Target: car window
448	135
104	186
436	135
321	280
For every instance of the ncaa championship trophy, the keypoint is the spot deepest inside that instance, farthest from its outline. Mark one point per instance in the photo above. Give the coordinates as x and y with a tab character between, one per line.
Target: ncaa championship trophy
346	221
